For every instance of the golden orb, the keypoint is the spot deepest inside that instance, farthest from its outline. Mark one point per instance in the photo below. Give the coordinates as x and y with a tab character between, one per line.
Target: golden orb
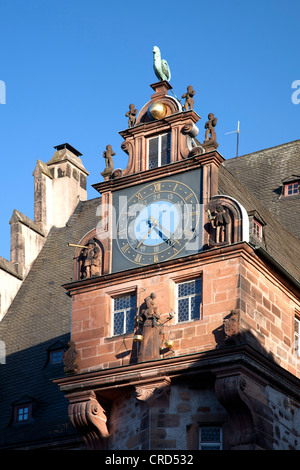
157	110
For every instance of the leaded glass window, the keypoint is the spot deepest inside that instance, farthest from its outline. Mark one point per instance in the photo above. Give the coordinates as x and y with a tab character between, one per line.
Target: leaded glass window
297	335
159	150
210	438
189	298
124	309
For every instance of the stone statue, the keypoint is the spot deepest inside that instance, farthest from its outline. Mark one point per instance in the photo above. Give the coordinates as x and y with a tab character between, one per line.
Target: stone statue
109	164
221	223
189	100
161	67
91	258
131	115
108	154
150	315
210	125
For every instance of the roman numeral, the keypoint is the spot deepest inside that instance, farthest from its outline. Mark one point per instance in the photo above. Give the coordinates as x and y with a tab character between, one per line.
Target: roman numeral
138	258
125	248
157	187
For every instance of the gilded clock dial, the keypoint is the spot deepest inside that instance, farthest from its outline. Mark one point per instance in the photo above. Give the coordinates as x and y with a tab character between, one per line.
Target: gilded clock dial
158	222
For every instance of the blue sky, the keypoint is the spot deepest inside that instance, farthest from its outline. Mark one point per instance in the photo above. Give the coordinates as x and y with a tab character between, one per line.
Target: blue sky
71	68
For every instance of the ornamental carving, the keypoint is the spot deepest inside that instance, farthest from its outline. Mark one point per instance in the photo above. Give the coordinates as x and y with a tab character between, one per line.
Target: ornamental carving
155	394
224	221
90	259
70	359
89	419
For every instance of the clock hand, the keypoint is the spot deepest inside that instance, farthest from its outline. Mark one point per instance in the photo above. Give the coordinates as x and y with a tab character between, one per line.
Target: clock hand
148	233
165	232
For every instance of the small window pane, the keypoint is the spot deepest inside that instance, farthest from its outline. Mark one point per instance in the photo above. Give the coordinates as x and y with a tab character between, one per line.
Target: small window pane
210	438
124	309
297	336
118	323
189	300
183	309
22	413
56	356
165	149
153	153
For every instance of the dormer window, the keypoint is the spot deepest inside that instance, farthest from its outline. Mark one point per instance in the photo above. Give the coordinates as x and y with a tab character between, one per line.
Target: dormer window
257	225
159	150
291	186
257	229
23	413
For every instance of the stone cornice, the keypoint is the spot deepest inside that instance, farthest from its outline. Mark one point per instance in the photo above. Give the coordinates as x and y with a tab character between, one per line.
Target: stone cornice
227	361
171	169
175	265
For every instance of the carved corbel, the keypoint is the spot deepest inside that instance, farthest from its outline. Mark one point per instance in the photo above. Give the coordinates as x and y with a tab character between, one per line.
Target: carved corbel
155	393
231	394
89	418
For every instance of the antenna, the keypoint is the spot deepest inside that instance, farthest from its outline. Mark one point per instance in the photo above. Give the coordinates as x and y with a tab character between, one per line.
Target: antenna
237	137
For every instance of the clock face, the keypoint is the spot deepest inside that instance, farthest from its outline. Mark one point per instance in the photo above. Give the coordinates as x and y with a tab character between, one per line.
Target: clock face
158	222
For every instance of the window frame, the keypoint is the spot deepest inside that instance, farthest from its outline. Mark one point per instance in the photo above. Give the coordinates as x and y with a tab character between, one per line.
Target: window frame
186	281
297	334
18	408
291	184
210	443
159	137
52	354
257	229
113	311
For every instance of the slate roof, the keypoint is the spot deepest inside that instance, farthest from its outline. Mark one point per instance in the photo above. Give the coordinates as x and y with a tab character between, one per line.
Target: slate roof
282	245
263	173
38	318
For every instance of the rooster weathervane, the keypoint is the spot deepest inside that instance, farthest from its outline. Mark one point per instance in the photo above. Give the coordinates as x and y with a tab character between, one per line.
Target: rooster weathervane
161	67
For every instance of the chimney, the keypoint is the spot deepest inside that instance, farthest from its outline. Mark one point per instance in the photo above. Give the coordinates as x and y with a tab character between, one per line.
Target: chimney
58	187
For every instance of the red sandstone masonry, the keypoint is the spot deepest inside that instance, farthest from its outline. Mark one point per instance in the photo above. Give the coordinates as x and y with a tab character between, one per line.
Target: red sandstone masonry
233	283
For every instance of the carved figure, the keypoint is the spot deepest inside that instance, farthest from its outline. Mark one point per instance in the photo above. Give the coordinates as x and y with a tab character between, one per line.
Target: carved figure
221	222
189	100
161	67
91	260
210	133
150	315
108	154
131	114
69	359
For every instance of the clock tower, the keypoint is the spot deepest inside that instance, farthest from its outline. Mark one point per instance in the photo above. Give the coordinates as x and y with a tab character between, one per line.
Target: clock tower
141	314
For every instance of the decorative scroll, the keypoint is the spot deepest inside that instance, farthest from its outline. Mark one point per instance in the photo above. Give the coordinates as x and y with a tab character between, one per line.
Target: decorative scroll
89	419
